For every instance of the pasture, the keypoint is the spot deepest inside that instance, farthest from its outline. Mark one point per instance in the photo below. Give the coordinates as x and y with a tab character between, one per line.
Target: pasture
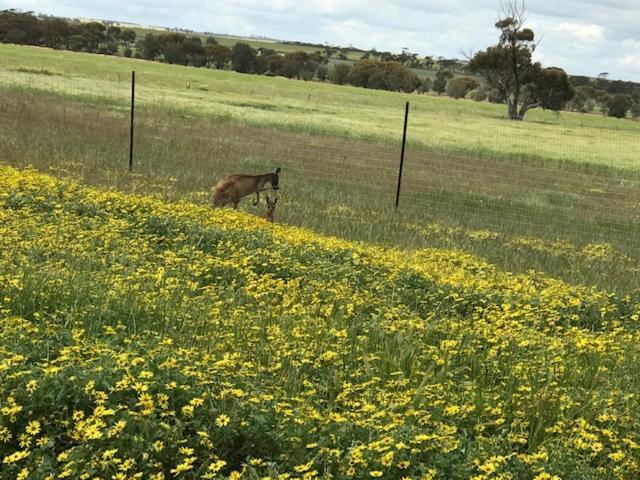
556	193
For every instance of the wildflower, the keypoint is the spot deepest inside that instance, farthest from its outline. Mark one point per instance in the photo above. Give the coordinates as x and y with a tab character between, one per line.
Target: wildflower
222	420
16	456
33	428
184	466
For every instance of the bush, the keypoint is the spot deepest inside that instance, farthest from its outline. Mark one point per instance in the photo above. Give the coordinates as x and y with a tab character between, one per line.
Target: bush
243	58
322	73
618	105
459	87
479	94
440	83
425	86
340	73
383	76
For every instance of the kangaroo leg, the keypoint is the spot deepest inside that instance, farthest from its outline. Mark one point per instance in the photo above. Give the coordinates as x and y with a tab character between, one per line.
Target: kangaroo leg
236	198
257	198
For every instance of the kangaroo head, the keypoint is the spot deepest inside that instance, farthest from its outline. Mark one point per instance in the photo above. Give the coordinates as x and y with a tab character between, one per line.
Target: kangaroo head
275	177
271	204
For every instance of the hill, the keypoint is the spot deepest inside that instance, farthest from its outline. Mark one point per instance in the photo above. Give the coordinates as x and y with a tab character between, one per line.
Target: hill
164	339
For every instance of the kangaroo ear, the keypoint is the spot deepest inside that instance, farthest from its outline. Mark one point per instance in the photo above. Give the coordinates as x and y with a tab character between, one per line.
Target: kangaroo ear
275	200
278	170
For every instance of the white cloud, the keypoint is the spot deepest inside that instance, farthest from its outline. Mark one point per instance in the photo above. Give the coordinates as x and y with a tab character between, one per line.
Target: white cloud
585	33
629	60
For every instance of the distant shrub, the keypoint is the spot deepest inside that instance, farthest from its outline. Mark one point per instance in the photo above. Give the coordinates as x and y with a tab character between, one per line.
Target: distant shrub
340	73
459	87
383	76
618	105
479	94
322	73
425	86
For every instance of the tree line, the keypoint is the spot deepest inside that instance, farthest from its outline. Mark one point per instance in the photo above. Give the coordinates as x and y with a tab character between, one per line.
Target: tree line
24	28
614	98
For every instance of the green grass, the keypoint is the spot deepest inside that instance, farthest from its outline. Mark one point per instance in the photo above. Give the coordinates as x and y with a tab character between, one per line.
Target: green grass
552	179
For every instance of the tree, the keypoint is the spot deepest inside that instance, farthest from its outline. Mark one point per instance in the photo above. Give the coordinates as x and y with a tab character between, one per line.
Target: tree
552	89
55	32
440	83
383	76
583	100
635	110
619	104
262	65
76	43
425	86
309	70
217	55
429	63
127	37
459	87
211	41
114	32
508	67
293	64
94	35
448	64
243	58
322	72
194	52
149	47
340	73
601	98
19	27
276	63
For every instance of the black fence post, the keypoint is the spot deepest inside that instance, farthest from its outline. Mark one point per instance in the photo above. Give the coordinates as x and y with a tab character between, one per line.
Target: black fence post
404	141
133	109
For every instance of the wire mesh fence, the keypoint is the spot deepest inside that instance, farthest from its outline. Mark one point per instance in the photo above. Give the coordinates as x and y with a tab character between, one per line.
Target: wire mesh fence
480	173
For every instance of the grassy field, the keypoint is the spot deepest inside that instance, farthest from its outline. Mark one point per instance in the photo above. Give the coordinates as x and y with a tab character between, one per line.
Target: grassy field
556	193
144	339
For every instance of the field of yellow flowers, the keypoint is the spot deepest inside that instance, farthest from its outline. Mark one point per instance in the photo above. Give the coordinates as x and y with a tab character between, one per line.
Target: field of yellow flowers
142	339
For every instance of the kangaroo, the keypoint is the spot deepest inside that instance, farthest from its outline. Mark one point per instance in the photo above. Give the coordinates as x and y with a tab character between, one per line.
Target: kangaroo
271	209
233	187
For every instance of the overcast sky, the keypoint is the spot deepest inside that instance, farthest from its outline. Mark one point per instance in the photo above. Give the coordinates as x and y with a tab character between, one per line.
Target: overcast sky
585	37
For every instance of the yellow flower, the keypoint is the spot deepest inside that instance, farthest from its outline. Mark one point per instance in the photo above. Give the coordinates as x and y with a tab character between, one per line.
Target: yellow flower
33	428
222	420
16	456
546	476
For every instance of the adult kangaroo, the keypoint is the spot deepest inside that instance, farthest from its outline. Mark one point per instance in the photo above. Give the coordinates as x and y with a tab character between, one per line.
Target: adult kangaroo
233	187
